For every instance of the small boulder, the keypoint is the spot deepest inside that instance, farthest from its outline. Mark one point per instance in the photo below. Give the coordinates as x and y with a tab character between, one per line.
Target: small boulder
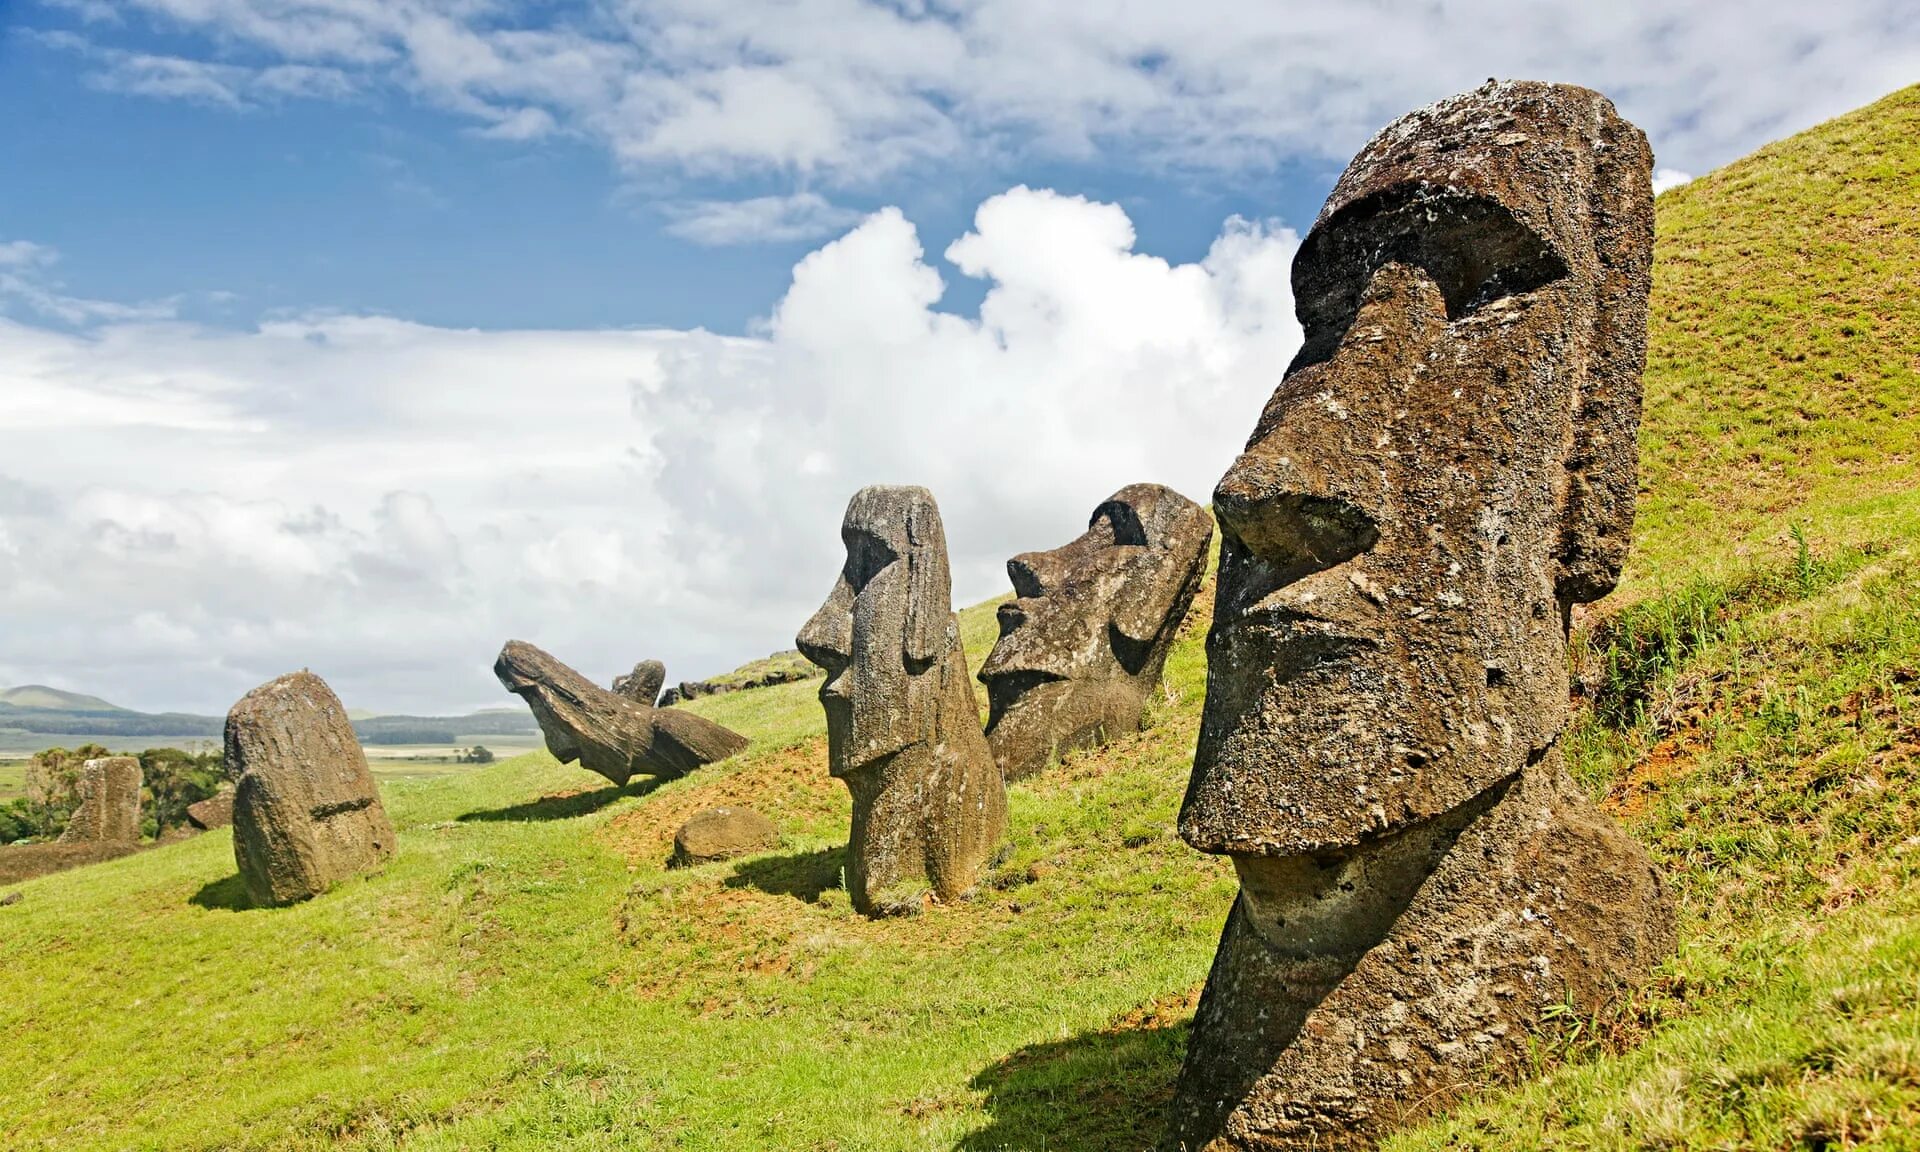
722	834
306	814
109	809
216	811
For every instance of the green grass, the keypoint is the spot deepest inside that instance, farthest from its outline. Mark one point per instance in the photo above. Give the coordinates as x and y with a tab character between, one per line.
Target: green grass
13	779
527	974
1783	366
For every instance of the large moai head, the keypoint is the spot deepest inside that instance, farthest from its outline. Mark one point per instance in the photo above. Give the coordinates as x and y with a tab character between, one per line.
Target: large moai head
1083	642
886	627
903	730
306	813
1446	468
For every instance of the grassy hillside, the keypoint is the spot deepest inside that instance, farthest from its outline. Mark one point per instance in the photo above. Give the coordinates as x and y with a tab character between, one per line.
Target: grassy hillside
1783	369
526	974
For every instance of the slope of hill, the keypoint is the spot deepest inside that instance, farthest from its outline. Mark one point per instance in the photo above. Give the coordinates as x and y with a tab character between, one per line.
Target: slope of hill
41	696
527	974
1783	371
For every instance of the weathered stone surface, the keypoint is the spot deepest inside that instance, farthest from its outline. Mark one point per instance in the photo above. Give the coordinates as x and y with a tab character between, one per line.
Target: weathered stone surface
216	811
929	804
1447	468
722	834
306	814
607	732
109	810
1083	643
642	685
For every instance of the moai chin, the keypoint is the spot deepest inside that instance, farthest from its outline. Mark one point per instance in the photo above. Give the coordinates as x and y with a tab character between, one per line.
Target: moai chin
903	731
1083	642
1446	469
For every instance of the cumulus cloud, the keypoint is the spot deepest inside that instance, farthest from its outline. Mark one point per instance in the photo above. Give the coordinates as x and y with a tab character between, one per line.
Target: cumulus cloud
777	219
846	91
186	511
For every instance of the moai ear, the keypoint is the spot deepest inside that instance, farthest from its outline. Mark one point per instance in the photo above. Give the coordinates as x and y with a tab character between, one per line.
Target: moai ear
1140	609
1597	516
929	584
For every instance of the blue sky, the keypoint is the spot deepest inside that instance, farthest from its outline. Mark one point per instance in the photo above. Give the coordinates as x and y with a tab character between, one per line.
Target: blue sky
382	202
362	335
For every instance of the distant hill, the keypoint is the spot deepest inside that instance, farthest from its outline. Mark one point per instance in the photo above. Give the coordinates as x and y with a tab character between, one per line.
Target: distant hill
41	696
35	708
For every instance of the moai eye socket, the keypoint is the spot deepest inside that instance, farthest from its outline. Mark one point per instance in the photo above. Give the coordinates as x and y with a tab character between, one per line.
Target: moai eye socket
1473	248
867	557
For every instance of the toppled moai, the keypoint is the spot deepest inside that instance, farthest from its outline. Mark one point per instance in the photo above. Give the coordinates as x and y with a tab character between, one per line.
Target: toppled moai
1084	640
1445	470
109	810
306	814
903	730
612	733
216	811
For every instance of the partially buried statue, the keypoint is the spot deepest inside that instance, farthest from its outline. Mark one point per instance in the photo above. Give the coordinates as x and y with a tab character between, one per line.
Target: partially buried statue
616	734
306	814
1084	640
903	730
1447	468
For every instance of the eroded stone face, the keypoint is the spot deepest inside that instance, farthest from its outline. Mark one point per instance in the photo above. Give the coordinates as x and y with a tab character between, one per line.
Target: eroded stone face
1083	642
929	804
109	810
618	733
306	814
1447	467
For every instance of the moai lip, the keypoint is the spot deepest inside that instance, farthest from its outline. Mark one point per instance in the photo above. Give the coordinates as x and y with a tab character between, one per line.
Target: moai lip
903	731
1084	640
1447	467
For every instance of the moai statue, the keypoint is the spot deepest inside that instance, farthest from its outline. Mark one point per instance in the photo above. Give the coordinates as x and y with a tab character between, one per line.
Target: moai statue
306	814
613	733
642	685
1083	643
109	810
1446	469
903	731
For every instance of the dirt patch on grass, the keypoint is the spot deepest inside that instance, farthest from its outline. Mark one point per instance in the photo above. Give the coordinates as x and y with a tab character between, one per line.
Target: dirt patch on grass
1165	1012
1668	761
789	786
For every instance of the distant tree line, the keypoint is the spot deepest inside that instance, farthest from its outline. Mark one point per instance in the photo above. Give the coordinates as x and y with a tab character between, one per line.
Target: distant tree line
171	780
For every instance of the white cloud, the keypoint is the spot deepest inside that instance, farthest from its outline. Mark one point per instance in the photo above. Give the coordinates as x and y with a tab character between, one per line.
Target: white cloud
777	219
26	281
185	512
844	92
1665	178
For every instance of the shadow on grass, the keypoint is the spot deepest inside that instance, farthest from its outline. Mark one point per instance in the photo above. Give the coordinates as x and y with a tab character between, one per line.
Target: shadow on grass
228	895
1097	1091
566	805
803	876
